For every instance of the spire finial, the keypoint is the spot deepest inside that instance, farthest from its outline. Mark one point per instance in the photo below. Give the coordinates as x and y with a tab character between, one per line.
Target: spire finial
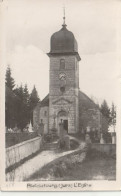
64	24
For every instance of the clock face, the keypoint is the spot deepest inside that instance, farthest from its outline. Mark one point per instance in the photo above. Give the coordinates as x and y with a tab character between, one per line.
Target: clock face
62	76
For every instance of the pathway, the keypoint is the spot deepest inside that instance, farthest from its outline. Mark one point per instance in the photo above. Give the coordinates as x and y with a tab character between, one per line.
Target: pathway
36	163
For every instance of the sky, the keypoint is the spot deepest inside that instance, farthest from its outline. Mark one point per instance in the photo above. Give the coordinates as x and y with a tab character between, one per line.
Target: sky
95	25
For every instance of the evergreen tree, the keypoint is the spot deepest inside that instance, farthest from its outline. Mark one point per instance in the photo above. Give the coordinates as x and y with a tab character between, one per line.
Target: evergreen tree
26	105
105	110
113	116
34	99
10	107
9	100
19	103
9	81
26	95
19	91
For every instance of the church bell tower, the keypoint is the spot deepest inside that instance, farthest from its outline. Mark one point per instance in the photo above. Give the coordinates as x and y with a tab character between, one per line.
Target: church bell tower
64	81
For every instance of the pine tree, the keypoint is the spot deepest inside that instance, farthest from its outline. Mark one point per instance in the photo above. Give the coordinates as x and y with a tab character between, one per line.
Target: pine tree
19	91
9	81
113	116
26	95
26	104
9	100
10	107
34	99
105	110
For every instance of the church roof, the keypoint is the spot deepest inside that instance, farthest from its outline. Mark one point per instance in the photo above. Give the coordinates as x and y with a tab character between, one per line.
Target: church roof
63	42
45	101
85	102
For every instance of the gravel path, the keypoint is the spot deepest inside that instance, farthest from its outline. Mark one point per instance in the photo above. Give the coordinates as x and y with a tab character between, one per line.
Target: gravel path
33	165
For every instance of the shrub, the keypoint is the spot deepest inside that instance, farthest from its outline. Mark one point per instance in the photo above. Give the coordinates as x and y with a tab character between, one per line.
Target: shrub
73	144
50	137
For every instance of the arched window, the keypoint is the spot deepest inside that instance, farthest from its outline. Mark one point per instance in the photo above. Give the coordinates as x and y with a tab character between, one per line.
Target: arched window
62	64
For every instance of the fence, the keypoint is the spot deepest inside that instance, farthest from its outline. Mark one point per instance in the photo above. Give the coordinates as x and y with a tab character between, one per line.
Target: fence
18	152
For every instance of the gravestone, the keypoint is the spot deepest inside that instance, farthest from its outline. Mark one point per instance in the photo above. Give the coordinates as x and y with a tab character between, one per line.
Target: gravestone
102	140
87	139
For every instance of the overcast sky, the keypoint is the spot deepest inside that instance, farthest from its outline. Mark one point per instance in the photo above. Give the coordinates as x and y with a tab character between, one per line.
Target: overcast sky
95	24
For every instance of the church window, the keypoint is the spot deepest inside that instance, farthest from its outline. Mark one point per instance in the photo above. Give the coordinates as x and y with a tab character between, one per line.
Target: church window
62	64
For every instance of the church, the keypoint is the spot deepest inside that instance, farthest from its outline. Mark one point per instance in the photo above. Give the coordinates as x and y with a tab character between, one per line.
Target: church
65	102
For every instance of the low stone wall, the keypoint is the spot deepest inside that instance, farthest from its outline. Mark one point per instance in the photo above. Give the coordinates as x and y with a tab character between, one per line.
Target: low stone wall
106	148
18	152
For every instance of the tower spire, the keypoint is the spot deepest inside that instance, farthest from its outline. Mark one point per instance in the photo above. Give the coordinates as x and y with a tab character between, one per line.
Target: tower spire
64	18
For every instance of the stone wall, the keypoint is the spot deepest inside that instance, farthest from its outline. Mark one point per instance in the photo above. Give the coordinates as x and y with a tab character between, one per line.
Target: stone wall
18	152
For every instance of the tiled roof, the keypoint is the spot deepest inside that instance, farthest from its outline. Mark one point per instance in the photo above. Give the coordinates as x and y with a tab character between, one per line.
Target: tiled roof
85	102
45	101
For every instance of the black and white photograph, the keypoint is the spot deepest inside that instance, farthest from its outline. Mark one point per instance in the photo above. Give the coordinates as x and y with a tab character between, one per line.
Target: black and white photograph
61	71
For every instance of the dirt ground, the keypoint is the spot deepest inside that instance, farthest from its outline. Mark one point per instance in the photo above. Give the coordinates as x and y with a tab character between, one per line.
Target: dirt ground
99	169
96	166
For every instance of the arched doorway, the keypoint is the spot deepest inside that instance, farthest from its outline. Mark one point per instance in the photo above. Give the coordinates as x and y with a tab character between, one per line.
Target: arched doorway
63	117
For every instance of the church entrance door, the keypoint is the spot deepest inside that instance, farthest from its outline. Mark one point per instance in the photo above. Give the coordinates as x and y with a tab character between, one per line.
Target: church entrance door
65	125
63	117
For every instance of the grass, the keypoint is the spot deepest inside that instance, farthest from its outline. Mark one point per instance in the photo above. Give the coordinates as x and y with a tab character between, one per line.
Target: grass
93	170
96	166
